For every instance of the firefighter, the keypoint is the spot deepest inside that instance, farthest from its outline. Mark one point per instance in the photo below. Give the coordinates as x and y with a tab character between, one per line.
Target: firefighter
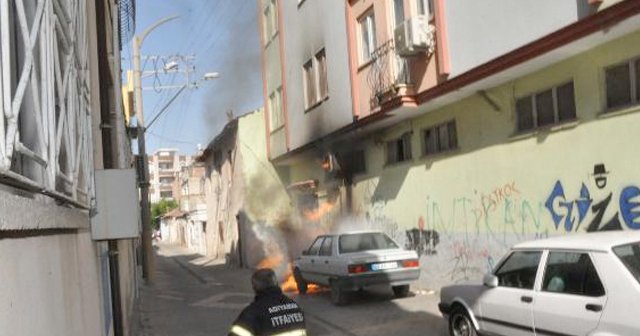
271	312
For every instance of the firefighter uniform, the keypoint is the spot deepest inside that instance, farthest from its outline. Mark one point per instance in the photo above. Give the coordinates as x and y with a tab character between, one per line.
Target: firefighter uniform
270	314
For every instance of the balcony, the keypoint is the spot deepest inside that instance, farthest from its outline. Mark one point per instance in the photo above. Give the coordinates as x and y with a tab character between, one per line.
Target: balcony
388	75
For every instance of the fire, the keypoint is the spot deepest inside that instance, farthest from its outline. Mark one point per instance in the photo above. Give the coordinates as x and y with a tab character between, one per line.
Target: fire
321	211
289	284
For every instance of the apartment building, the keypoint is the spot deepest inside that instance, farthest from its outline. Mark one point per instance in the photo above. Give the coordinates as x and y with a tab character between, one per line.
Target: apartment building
164	168
65	160
476	127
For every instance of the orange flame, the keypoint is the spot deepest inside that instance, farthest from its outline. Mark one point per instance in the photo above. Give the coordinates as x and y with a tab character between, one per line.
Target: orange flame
321	211
289	285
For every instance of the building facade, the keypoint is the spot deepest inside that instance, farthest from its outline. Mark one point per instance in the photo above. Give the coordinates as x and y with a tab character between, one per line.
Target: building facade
243	192
62	129
472	132
164	169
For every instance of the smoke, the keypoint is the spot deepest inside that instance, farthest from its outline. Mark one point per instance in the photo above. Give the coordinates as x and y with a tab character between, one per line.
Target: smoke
236	56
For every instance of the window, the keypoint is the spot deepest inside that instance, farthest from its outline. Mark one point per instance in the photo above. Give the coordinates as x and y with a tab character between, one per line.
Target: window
552	106
571	273
623	84
398	11
325	250
365	242
367	36
399	150
353	162
315	247
630	257
426	7
166	194
316	85
519	270
309	84
270	20
440	138
323	84
276	113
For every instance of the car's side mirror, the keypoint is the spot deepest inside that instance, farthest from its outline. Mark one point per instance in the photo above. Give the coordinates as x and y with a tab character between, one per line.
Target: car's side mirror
490	280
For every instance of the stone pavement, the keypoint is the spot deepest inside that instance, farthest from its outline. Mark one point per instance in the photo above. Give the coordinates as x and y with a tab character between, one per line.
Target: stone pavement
194	296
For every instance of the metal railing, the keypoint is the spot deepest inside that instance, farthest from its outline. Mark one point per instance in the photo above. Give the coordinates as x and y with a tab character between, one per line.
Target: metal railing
45	124
387	71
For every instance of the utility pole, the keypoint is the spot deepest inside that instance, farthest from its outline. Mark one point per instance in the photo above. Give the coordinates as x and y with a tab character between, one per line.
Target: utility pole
147	255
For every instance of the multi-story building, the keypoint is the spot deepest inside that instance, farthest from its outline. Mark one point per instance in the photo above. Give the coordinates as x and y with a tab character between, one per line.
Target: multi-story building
67	269
164	167
472	127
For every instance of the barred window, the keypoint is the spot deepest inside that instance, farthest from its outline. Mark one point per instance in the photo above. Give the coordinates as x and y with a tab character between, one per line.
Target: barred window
548	107
440	138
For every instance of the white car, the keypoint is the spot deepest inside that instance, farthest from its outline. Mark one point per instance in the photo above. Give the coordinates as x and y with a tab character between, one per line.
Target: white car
580	284
353	261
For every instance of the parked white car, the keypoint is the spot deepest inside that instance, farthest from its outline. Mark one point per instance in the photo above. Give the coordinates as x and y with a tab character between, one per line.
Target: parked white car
353	261
581	284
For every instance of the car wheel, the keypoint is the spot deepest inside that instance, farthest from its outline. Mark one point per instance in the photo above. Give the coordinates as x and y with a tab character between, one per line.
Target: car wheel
338	295
460	324
300	282
401	291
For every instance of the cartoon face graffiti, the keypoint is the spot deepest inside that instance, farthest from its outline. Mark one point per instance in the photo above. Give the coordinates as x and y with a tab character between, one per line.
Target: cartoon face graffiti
600	175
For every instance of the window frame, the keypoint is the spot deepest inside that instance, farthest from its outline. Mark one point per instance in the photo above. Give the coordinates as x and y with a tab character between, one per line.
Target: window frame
531	97
275	105
312	67
407	146
543	275
508	257
321	253
321	239
368	17
270	21
426	7
634	83
436	128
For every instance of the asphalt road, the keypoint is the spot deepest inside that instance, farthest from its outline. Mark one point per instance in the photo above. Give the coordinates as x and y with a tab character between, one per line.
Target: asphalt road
193	296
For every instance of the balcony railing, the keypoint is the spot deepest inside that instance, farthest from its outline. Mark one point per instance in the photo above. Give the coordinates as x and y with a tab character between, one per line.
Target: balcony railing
387	72
45	127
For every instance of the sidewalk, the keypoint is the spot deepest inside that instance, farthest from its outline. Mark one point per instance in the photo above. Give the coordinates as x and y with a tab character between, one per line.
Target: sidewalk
191	296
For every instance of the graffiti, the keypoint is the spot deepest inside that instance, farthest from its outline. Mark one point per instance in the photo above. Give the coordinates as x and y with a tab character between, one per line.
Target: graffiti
570	214
422	241
378	221
492	201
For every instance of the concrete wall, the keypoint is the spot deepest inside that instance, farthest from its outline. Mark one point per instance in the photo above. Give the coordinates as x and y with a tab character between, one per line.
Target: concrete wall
479	32
52	286
500	187
307	29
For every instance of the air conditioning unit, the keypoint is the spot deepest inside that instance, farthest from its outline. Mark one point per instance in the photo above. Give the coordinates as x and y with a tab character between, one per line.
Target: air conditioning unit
415	36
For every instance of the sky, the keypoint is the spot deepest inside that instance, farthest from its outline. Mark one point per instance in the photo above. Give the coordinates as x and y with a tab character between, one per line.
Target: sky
223	36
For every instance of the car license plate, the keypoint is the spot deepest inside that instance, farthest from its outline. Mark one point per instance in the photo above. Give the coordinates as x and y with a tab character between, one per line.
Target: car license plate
384	266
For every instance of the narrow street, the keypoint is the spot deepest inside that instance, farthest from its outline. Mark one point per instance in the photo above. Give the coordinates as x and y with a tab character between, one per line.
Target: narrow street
194	296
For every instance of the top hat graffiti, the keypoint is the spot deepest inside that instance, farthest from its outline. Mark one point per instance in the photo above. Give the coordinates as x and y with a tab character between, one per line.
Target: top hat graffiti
600	173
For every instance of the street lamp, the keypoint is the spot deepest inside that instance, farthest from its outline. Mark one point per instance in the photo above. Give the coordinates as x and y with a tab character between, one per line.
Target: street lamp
147	256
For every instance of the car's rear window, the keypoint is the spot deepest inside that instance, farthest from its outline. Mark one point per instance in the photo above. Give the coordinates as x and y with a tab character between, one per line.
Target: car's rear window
630	256
365	242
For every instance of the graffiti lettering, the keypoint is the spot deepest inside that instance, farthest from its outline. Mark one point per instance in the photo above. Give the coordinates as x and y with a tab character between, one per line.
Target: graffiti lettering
572	213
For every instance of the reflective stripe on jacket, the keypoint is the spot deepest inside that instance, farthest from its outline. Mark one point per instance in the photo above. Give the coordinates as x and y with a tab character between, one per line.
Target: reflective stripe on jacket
270	314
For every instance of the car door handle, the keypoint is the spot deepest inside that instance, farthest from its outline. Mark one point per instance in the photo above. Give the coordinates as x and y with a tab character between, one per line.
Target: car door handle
326	261
526	299
594	307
